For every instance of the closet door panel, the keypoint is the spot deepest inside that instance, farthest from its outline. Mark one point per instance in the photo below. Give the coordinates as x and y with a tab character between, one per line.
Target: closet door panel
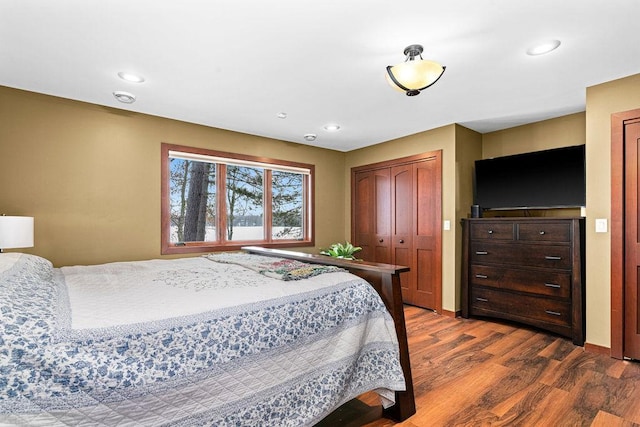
402	223
382	212
396	218
402	197
426	240
363	214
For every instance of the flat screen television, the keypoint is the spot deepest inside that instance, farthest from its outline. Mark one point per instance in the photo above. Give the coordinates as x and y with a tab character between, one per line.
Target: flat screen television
539	180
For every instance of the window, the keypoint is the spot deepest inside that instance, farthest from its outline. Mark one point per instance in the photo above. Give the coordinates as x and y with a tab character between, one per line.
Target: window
213	200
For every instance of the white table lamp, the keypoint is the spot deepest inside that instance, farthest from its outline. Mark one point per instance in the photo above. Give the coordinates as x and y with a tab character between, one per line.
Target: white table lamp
16	232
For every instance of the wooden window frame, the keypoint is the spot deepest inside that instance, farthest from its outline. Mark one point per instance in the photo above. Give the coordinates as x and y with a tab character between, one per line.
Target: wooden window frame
168	248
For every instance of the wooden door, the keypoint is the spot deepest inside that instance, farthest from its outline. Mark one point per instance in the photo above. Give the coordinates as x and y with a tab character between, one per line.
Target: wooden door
371	214
416	236
427	218
362	212
402	228
382	223
632	241
396	214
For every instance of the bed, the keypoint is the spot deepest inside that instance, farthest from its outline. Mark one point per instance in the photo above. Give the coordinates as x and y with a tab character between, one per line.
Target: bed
233	339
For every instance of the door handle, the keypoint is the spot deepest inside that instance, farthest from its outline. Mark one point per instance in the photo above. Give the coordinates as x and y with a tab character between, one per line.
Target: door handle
401	241
381	240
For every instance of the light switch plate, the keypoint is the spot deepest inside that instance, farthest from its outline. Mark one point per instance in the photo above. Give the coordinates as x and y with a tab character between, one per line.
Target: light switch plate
601	225
447	224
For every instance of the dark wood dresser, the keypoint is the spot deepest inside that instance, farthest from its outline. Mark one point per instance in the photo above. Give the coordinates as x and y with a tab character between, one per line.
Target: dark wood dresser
529	270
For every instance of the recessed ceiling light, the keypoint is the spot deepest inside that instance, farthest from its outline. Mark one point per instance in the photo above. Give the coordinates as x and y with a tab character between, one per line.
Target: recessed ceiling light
125	97
542	48
310	137
282	115
130	77
332	127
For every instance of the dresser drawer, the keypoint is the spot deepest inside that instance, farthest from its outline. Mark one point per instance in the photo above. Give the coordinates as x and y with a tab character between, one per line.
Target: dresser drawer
486	301
528	255
534	282
492	230
543	231
490	300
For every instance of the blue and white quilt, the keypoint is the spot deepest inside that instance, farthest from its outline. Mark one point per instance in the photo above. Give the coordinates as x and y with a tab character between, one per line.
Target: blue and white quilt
186	342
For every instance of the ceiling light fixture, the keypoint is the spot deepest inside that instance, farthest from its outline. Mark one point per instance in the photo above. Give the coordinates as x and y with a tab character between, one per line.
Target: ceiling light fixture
332	127
414	74
130	77
125	97
282	115
542	48
310	137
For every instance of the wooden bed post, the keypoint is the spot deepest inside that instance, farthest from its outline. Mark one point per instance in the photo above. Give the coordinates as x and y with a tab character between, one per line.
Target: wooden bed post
385	279
405	401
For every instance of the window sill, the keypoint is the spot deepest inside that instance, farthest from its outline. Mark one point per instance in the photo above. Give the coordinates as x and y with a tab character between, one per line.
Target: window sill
190	248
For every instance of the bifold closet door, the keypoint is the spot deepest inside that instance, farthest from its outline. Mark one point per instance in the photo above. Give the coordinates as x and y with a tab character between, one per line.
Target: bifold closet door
402	228
426	251
416	236
372	215
396	216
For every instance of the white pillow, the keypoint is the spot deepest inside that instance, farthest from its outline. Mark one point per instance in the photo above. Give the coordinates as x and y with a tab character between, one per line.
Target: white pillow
8	260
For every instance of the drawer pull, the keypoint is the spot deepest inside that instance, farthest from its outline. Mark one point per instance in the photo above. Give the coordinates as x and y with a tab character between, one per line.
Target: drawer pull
481	276
482	299
552	258
490	231
554	313
482	253
552	285
542	232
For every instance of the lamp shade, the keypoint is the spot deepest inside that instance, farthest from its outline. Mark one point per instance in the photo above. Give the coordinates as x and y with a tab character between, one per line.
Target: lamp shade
16	232
415	74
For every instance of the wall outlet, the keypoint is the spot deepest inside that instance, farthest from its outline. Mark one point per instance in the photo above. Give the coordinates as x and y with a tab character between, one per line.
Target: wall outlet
447	224
601	225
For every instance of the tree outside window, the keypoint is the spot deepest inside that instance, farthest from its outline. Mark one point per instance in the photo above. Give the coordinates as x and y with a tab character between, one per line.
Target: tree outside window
288	205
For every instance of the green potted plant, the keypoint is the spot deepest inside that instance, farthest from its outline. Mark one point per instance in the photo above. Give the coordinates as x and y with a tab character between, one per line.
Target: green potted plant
344	251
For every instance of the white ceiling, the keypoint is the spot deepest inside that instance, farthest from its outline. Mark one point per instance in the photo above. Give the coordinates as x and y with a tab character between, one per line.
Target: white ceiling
237	64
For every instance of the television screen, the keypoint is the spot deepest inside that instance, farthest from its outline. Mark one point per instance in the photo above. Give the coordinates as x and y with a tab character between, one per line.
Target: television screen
543	179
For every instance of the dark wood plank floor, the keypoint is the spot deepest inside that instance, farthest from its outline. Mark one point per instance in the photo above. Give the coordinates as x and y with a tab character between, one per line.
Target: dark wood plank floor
470	372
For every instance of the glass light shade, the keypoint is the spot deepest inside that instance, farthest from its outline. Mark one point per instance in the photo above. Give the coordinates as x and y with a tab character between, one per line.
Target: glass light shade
415	74
16	232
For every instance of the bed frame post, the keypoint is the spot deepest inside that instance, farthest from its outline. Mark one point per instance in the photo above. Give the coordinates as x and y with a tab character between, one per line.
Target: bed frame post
385	279
405	401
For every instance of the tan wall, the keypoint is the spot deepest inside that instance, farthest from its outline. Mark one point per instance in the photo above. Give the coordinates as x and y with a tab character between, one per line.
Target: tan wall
563	131
90	175
602	101
554	133
468	150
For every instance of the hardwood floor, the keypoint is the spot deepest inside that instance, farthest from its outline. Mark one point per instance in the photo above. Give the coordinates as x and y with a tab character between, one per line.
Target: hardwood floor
470	372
